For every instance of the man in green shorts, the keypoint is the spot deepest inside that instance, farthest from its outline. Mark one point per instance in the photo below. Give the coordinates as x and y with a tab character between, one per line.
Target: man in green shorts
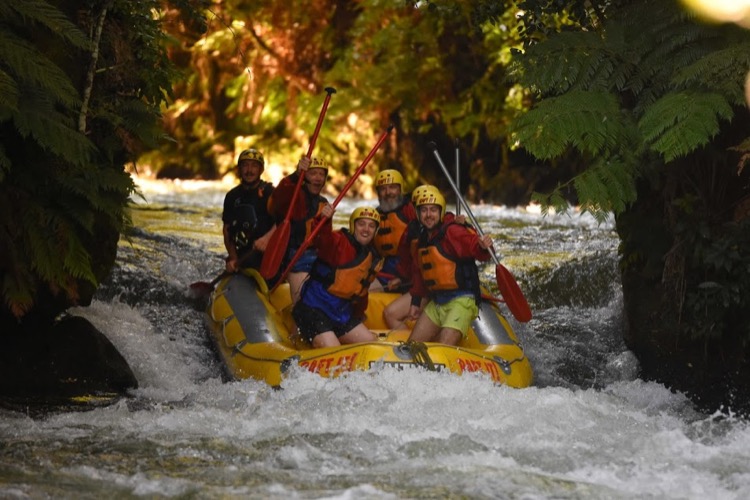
445	272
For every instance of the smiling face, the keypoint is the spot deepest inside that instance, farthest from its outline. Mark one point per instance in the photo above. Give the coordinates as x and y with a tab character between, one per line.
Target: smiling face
316	179
429	216
250	171
364	230
389	196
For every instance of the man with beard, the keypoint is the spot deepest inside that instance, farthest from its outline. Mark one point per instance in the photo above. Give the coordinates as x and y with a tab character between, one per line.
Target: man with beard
447	273
330	311
396	211
247	224
302	220
398	312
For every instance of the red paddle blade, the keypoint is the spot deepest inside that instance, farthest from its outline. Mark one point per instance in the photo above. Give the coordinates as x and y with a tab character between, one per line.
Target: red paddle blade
275	250
512	294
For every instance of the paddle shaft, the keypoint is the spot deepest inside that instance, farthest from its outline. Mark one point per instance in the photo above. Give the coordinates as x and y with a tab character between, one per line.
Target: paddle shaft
210	286
507	285
317	228
274	255
458	178
461	200
329	91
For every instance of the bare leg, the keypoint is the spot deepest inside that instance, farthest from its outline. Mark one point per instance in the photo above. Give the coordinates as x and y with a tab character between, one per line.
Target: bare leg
449	336
359	333
325	339
424	330
295	284
396	312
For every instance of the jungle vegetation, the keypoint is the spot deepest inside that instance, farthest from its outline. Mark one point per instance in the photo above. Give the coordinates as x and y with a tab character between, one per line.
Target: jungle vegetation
81	89
625	107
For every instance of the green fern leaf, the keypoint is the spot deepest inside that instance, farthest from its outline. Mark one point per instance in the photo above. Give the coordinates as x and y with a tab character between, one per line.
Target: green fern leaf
31	67
77	259
722	71
564	62
588	121
8	94
53	131
45	14
680	122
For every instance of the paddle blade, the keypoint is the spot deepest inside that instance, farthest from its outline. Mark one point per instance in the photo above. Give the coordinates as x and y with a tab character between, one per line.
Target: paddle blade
512	294
275	250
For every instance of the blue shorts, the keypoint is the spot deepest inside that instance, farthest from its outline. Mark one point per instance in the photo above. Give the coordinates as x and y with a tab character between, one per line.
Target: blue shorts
304	262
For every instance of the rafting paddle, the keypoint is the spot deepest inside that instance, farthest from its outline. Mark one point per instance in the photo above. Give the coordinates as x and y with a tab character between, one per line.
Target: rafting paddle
458	178
317	228
507	285
201	289
279	241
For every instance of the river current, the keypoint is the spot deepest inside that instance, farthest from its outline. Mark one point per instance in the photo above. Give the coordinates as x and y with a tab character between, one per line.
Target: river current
589	428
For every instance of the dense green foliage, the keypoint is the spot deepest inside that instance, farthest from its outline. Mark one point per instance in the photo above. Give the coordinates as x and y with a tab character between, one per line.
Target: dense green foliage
81	85
436	70
649	87
651	102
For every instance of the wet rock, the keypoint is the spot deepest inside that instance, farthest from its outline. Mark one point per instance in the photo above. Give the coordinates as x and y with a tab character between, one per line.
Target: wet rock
68	361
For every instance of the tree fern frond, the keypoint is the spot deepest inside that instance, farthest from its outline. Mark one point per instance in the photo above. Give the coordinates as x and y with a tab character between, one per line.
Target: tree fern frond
39	240
606	188
18	294
8	93
569	60
32	68
554	200
658	42
116	181
680	122
53	131
588	121
44	13
137	117
77	211
722	71
77	260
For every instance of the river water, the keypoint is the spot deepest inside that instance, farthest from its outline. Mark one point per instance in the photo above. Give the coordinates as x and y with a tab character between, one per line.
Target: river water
589	428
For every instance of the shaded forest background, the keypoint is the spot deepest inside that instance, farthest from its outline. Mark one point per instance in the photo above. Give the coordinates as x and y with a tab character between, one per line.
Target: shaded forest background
254	74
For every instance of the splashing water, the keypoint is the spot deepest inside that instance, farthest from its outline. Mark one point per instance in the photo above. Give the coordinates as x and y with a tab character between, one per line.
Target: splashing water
588	429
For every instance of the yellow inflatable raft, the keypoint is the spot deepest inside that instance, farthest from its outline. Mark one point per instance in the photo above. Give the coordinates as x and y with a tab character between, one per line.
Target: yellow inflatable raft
255	336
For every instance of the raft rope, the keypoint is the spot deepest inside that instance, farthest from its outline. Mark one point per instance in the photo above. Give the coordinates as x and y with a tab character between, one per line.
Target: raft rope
420	354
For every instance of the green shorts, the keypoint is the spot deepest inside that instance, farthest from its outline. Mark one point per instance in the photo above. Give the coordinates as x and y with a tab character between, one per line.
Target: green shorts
457	314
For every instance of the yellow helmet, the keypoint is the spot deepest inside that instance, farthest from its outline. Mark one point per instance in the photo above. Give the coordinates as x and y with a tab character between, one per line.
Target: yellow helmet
419	190
251	154
363	213
320	163
389	176
431	196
